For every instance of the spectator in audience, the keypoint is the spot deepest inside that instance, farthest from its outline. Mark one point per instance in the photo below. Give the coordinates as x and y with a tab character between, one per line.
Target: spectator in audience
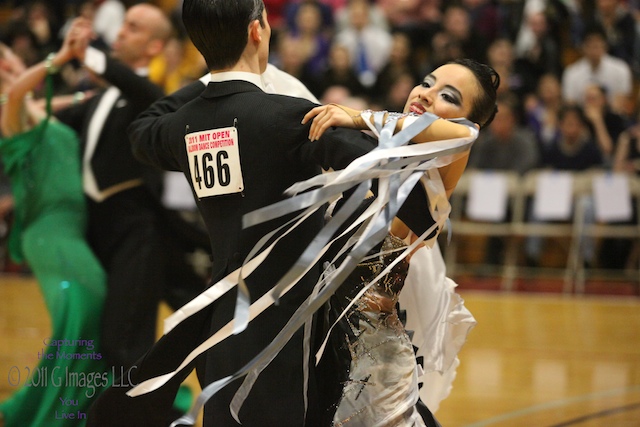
312	39
172	69
485	18
327	8
456	23
377	15
444	48
623	253
369	46
504	146
627	150
419	20
22	41
564	22
542	109
399	65
411	15
596	65
607	125
395	97
339	72
615	253
619	26
341	95
574	149
542	53
277	10
513	76
289	57
44	25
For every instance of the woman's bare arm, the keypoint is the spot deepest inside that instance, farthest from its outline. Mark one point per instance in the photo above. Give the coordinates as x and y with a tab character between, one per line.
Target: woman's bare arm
11	121
330	115
327	116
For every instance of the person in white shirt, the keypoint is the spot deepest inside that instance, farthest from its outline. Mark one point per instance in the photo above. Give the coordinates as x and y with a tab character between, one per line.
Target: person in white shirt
596	66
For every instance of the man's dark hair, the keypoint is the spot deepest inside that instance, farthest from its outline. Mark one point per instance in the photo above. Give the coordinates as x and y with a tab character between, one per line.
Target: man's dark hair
484	106
594	30
218	28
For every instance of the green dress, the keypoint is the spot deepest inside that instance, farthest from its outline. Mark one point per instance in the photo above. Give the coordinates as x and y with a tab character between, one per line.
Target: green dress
48	233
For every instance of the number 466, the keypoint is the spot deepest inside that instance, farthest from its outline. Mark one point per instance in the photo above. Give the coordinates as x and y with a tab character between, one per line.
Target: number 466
211	169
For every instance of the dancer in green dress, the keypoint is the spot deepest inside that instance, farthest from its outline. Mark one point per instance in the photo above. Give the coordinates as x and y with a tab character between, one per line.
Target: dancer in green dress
41	157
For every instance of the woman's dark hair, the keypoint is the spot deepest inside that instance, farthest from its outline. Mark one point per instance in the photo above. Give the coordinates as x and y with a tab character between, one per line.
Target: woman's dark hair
572	108
578	111
484	107
218	28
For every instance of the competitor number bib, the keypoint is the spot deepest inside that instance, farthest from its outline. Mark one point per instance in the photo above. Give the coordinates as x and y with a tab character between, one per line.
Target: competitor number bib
214	162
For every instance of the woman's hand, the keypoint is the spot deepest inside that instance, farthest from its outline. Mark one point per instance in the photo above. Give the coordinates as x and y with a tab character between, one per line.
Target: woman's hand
330	115
75	42
11	66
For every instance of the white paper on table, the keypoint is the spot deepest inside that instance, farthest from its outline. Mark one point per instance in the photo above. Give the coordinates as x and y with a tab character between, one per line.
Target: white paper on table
612	197
487	197
553	199
177	192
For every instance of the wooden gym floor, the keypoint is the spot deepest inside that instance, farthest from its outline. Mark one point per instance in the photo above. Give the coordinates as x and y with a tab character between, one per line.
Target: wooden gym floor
544	360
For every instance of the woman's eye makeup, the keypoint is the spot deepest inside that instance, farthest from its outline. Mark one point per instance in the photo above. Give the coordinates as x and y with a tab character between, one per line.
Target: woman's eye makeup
450	97
427	82
448	94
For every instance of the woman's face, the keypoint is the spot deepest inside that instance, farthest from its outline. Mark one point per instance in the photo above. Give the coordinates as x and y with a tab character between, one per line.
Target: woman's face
448	92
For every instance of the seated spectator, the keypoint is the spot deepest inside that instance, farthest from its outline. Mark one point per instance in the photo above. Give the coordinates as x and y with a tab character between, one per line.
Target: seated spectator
619	26
627	150
607	125
277	10
542	109
395	96
540	54
419	20
44	24
504	146
597	66
444	48
456	23
328	9
311	36
377	15
289	57
369	46
339	72
485	17
399	65
624	253
17	35
514	76
574	149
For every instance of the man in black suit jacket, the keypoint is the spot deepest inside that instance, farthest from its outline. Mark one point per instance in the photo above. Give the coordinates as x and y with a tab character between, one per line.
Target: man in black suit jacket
126	227
239	148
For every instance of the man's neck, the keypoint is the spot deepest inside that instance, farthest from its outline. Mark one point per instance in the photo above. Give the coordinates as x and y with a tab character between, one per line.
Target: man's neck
594	64
250	65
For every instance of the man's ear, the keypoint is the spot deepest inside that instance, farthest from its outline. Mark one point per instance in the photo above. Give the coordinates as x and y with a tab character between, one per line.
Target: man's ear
155	47
255	31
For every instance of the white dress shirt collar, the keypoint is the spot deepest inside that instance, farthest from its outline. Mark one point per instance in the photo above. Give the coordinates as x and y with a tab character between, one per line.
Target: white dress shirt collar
238	75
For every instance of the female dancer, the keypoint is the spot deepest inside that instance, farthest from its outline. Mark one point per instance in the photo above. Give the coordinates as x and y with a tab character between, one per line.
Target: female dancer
42	159
370	362
369	350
